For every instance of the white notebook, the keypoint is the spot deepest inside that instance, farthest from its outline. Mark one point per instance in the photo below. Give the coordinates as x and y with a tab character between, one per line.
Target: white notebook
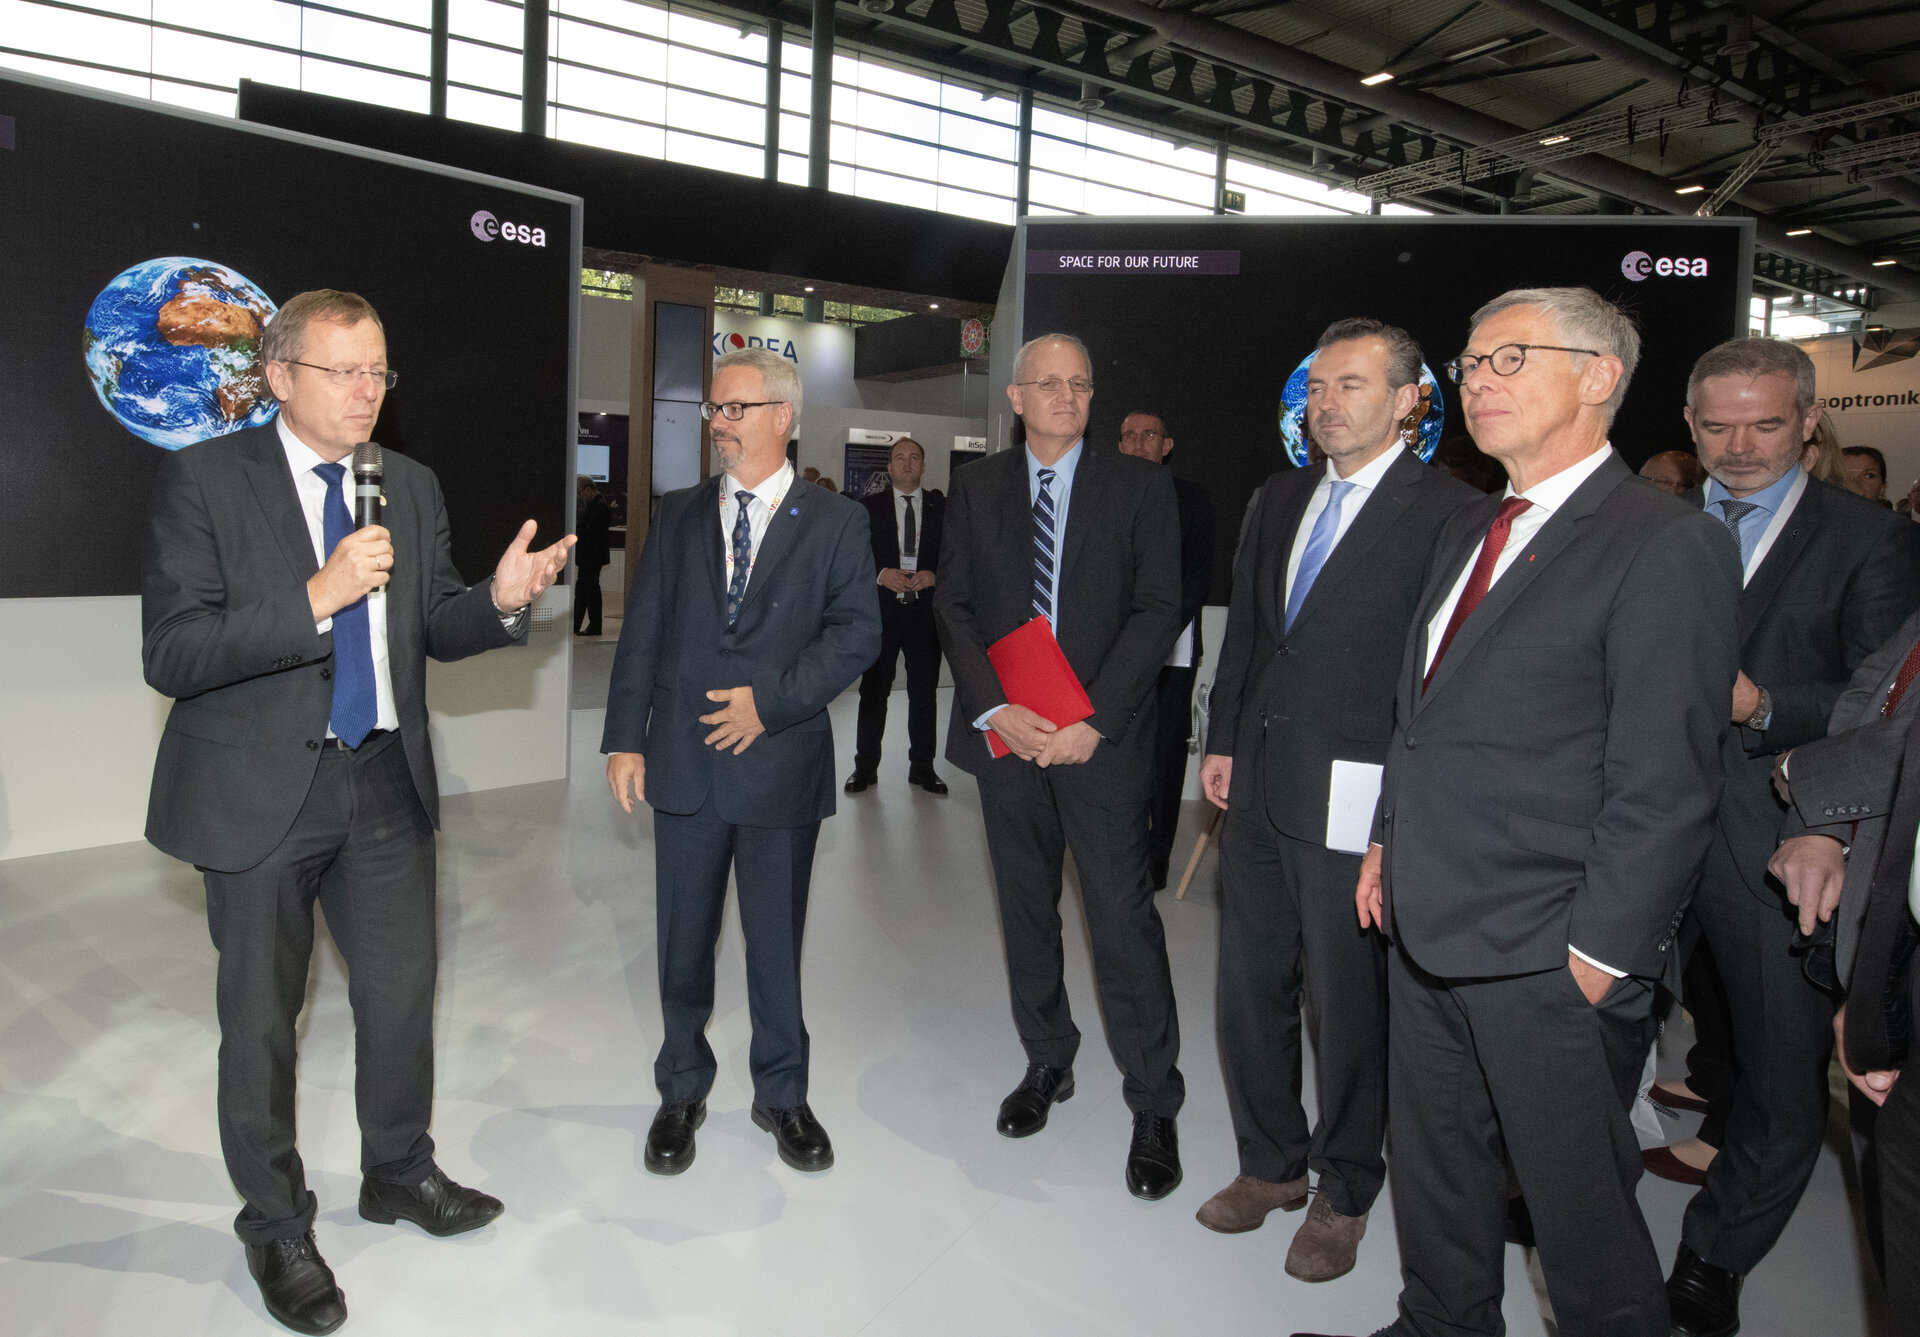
1352	795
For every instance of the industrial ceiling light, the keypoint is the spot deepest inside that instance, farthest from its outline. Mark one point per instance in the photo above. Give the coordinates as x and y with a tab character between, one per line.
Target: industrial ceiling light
1385	76
1689	190
808	288
877	6
1554	139
933	306
1878	263
1799	232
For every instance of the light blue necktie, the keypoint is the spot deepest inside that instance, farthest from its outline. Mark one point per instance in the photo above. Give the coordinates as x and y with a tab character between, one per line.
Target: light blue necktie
1319	546
355	707
1043	545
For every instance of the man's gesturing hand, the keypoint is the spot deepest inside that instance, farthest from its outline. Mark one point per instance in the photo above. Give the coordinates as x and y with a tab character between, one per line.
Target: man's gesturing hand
737	722
1024	731
1366	896
361	563
627	771
1813	869
524	576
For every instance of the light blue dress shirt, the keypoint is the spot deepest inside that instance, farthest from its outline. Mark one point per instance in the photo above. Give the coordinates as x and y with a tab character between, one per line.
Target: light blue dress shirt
1063	470
1766	503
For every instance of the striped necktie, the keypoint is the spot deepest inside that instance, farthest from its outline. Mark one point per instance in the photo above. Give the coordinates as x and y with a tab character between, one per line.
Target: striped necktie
1043	546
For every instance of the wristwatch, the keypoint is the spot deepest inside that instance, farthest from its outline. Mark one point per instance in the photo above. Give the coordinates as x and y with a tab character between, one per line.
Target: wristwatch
1762	714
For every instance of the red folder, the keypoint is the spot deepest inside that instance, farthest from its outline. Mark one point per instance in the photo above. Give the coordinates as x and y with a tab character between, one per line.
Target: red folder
1034	673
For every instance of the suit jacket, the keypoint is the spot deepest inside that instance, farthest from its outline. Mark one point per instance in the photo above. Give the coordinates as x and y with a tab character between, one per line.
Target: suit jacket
1284	704
229	634
1196	553
1843	784
808	626
1555	783
1837	583
931	520
1119	600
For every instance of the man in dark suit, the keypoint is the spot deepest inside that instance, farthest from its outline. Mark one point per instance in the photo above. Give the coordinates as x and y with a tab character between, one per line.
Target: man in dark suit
908	523
1323	593
753	608
296	766
1548	797
593	523
1145	435
1088	540
1828	578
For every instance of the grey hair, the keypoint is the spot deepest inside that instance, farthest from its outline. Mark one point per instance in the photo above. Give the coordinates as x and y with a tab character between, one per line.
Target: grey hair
1757	357
779	378
1583	317
1403	353
1027	349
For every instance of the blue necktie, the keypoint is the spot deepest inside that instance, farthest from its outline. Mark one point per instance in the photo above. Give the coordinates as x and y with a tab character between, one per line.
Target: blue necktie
355	708
1319	547
1043	546
742	556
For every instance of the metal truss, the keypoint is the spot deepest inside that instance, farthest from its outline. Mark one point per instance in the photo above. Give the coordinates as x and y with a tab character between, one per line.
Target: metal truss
1882	157
1891	155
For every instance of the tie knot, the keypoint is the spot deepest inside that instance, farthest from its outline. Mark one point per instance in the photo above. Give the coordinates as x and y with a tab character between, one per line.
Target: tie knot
743	497
1512	506
1046	478
335	473
1736	511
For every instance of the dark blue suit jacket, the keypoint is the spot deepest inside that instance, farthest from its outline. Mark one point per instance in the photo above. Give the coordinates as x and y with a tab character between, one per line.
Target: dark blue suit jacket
809	625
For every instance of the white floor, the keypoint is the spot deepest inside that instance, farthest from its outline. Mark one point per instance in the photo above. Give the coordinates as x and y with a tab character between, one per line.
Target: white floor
115	1210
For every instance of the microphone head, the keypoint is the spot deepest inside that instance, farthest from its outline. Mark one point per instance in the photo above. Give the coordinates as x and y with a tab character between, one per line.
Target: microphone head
367	460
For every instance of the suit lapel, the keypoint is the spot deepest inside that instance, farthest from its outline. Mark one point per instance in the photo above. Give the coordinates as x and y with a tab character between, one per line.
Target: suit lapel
1757	597
273	488
1085	502
789	514
1013	517
714	561
1378	515
1293	494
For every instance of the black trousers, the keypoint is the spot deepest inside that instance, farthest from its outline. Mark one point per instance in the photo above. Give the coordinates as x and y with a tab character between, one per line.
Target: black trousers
586	601
1712	1068
904	629
363	847
1175	731
1896	1133
1782	1030
1033	816
772	866
1287	905
1519	1067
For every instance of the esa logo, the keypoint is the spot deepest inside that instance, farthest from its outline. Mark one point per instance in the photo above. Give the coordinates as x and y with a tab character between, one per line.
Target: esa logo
486	227
1639	265
724	343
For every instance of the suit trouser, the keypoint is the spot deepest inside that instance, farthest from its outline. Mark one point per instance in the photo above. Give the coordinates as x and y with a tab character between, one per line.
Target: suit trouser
1711	1068
1032	818
1170	739
363	847
1524	1062
586	600
1284	900
1782	1041
771	866
904	628
1896	1133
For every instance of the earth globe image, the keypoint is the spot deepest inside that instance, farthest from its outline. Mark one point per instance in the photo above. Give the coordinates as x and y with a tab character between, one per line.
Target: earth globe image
173	350
1431	414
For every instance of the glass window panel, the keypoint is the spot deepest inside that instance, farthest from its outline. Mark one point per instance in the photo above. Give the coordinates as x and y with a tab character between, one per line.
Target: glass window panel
877	78
897	156
895	117
993	209
618	13
1062	192
841	139
796	92
593	91
793	169
137	9
215	102
244	20
959	98
1045	211
721	156
209	60
979	174
1068	159
1101	134
376	86
793	134
839	178
362	39
489	20
717	74
1410	209
579	127
405	11
688	110
464	104
132	85
65	33
871	185
795	57
1174	184
644	56
1267	203
724	38
959	132
470	64
1047	121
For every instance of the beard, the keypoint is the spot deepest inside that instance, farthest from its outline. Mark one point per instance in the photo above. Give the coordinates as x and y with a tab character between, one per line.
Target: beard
729	452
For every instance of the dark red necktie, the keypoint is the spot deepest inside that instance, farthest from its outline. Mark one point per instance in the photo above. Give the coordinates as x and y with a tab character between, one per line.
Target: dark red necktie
1909	670
1482	577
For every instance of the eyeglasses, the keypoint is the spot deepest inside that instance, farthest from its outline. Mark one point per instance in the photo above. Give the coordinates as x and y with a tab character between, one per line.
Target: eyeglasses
1148	435
1053	385
348	375
734	410
1506	359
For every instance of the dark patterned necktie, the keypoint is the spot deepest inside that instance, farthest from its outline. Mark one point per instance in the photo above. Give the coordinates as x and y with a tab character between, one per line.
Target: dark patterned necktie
1482	577
742	556
1909	669
1731	514
355	706
1043	546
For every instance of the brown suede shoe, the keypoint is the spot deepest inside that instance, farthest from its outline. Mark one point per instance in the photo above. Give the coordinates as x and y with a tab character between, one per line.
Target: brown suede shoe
1243	1205
1324	1246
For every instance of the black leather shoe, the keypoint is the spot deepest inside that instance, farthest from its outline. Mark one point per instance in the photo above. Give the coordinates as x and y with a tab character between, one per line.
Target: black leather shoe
803	1143
927	780
436	1204
1704	1299
1153	1161
1024	1112
296	1284
860	781
1519	1223
670	1140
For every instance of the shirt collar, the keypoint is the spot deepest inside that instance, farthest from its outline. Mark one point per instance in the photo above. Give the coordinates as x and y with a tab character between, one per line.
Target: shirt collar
1550	494
1062	467
1367	477
772	488
898	493
1769	498
301	457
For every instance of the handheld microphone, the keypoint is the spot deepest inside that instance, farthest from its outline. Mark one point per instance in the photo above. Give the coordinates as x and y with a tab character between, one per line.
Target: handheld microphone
368	474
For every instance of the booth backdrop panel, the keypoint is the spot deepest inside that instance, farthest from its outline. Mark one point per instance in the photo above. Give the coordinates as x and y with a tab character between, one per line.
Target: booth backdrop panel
1210	351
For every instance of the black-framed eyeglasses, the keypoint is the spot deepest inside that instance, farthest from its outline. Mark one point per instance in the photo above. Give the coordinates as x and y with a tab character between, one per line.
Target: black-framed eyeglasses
1053	385
1506	359
348	375
734	409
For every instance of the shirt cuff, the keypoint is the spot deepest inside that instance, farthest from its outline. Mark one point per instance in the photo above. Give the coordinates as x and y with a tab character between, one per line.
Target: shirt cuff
1597	965
982	723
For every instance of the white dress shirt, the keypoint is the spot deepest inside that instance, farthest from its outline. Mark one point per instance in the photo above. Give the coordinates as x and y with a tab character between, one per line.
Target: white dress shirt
1365	479
766	500
312	488
1547	496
